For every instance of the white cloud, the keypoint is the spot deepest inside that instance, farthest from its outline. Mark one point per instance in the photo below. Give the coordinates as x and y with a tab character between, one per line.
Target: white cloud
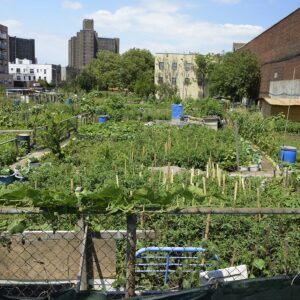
166	28
13	25
228	1
49	48
74	5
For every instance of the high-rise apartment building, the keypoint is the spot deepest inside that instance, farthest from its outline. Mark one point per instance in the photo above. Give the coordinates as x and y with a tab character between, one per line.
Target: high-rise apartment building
84	46
20	48
5	79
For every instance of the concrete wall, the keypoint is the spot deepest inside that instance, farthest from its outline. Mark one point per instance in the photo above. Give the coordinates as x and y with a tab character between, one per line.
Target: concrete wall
180	74
285	88
278	50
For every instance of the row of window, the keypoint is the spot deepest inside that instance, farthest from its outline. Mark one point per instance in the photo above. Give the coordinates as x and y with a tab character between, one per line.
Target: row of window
173	81
29	78
31	71
187	66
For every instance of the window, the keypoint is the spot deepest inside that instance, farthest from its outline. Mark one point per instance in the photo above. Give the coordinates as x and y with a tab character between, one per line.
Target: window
45	71
11	69
18	77
29	78
24	70
173	80
40	77
188	66
37	70
161	65
186	81
174	66
160	80
31	71
18	70
45	78
33	77
24	78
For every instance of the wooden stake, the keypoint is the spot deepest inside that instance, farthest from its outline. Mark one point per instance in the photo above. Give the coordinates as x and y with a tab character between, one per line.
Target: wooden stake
258	203
172	176
117	181
192	176
224	184
235	192
72	184
233	257
204	185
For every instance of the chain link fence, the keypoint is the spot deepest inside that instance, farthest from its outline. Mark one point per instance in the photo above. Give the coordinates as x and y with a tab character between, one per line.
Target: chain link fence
43	253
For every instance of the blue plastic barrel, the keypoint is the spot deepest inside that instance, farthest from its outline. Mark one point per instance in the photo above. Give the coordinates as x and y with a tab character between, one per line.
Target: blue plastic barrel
103	119
68	101
176	111
288	154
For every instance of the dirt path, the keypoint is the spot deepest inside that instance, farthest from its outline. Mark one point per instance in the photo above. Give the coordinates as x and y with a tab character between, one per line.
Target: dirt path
37	154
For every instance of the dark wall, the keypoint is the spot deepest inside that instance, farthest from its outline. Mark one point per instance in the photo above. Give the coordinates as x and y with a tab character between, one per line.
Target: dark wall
21	48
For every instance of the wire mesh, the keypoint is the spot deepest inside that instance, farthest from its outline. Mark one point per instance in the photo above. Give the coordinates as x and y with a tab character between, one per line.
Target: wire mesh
141	254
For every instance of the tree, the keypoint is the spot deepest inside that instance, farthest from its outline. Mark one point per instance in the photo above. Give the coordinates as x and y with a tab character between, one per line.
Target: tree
135	64
237	76
204	67
144	86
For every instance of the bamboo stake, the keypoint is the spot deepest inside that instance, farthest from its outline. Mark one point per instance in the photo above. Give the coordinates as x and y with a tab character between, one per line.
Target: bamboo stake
233	257
125	169
117	181
258	202
235	192
169	171
172	176
207	170
224	184
72	184
204	185
192	177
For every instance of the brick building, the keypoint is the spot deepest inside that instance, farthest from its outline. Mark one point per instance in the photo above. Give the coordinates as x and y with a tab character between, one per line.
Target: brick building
84	46
278	50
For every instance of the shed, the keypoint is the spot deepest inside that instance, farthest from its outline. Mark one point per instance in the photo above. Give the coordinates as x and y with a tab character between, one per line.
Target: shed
275	106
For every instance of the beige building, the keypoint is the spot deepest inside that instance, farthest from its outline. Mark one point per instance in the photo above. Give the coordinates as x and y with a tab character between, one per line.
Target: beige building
178	70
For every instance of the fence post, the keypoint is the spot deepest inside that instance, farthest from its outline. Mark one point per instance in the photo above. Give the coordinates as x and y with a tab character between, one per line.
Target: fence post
131	248
83	283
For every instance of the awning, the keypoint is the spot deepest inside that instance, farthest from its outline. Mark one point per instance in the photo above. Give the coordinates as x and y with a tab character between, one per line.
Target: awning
282	101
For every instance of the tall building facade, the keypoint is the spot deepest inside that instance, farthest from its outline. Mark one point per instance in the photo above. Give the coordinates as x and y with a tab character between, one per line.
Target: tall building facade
178	70
5	79
84	46
22	49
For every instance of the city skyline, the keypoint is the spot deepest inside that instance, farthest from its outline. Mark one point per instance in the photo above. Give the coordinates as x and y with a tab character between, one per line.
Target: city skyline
158	25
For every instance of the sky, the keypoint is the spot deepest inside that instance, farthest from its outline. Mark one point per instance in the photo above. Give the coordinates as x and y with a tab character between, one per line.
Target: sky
158	25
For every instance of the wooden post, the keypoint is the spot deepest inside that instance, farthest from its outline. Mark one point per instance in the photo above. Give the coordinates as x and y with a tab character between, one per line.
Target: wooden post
204	185
131	248
236	132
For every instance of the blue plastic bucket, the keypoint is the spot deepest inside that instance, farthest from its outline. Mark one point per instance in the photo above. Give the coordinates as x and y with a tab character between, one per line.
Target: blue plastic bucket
176	111
103	119
68	101
288	154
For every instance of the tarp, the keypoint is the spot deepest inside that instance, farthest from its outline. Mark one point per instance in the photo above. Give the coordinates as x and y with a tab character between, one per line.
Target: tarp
278	288
287	288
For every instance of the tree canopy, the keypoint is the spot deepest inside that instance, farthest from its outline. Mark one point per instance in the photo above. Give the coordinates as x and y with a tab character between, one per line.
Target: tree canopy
237	76
133	70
